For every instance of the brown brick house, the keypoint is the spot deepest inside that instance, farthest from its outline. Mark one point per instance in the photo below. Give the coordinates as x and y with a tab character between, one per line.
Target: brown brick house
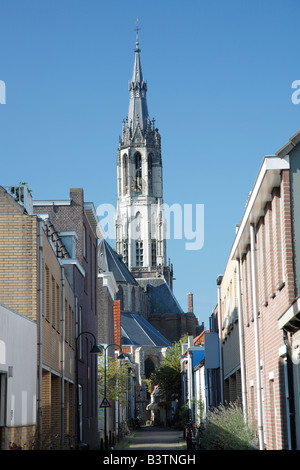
33	283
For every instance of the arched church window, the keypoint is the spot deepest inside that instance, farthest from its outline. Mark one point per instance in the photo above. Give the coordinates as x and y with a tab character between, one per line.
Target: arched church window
138	165
149	367
133	299
125	173
150	172
125	252
120	296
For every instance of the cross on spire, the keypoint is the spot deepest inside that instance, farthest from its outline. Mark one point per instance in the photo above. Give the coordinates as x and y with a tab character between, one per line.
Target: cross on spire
137	36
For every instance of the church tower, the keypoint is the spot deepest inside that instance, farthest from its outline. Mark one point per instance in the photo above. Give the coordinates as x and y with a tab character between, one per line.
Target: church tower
140	227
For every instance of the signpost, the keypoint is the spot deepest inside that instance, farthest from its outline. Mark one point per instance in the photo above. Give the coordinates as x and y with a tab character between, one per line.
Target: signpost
105	403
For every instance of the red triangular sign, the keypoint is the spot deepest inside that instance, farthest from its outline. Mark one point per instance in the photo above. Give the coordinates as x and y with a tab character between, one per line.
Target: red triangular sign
105	403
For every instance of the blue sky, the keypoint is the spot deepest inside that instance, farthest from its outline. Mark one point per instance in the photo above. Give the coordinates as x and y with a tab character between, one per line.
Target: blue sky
219	80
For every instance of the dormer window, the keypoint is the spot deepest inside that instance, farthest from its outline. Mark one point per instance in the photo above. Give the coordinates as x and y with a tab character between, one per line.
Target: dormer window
69	241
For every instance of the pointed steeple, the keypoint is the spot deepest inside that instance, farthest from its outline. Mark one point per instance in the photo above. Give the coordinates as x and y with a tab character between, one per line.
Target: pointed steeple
138	109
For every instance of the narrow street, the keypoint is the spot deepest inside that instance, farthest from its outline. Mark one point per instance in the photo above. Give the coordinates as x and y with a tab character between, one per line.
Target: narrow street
153	438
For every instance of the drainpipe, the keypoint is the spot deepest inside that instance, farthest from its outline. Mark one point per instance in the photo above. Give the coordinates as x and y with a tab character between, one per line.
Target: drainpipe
257	356
62	357
220	342
291	402
241	340
40	333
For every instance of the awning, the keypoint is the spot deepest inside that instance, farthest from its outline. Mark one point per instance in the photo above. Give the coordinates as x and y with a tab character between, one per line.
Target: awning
152	406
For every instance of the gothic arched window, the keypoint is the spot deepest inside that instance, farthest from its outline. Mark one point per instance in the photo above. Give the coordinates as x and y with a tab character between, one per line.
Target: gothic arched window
150	172
138	165
133	300
149	367
125	174
120	296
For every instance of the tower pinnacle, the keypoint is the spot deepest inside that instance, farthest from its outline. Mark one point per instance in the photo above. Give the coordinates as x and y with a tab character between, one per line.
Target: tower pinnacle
137	36
138	109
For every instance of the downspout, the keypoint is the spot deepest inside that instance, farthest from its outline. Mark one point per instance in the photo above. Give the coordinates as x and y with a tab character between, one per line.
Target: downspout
77	429
241	340
62	417
257	356
291	401
40	330
220	343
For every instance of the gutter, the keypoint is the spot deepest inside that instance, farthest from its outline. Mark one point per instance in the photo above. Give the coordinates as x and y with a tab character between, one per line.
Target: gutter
63	358
257	355
40	332
220	342
241	341
291	398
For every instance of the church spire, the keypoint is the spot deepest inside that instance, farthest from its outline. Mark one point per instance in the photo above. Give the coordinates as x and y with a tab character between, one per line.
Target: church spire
138	109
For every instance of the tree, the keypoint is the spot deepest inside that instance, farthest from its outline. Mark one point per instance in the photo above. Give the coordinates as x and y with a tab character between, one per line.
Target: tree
168	375
117	379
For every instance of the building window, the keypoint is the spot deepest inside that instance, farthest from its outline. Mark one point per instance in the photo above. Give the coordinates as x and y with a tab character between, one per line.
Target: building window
84	242
125	174
120	296
139	253
47	293
125	252
138	168
57	323
150	173
80	317
54	305
133	299
153	252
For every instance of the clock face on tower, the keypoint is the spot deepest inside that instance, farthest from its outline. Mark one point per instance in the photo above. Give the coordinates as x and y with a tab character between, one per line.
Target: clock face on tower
137	185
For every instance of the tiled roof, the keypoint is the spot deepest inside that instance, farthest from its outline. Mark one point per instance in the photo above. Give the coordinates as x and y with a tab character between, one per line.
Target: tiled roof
110	261
137	331
161	297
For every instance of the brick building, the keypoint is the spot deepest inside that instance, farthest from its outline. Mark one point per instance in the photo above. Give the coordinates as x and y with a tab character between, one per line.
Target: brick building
33	283
258	304
289	320
229	330
75	221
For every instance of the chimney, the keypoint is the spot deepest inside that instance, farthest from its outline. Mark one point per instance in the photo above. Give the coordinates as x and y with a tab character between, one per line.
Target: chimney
190	303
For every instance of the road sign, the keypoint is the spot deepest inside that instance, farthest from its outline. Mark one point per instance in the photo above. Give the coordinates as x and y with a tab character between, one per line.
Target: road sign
105	403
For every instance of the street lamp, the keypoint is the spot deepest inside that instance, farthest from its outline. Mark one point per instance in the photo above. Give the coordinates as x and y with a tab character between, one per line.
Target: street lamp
120	356
95	350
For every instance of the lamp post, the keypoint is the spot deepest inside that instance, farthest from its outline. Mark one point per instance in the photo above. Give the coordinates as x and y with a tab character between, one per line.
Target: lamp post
120	356
95	350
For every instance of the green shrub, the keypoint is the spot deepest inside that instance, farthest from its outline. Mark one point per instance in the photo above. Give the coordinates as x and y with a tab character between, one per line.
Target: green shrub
225	429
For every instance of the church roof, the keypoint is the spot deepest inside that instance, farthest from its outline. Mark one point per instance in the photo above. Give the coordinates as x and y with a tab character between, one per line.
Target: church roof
161	297
137	331
110	261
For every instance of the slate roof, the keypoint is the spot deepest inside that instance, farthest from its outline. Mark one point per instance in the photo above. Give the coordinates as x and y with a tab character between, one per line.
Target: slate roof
110	261
161	297
137	331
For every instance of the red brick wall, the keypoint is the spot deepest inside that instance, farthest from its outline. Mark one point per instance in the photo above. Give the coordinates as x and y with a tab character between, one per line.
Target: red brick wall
274	265
117	321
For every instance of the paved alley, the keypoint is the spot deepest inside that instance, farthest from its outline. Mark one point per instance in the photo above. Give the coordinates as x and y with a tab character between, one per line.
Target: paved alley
154	438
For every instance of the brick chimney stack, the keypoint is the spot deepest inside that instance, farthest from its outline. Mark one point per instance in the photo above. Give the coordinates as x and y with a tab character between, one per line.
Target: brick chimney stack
190	303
